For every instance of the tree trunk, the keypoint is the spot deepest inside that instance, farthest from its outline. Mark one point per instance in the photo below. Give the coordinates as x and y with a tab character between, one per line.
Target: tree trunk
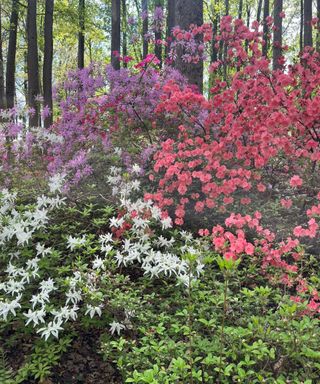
2	91
115	34
124	31
170	23
214	50
81	33
158	33
266	12
259	10
277	34
11	56
47	60
224	44
240	9
227	6
318	25
248	15
248	12
33	65
301	26
307	37
190	12
145	27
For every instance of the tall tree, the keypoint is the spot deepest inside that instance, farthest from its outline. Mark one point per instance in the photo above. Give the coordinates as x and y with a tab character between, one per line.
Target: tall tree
158	16
170	22
248	12
259	10
215	23
145	27
47	60
115	33
227	6
190	12
277	34
124	31
301	26
266	13
81	9
11	55
224	45
307	36
318	25
2	91
33	63
240	9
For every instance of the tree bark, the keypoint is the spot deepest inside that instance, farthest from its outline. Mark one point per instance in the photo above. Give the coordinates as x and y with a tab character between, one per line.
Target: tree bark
224	45
145	27
277	34
190	12
240	9
307	37
248	11
115	34
301	26
318	24
2	90
170	23
158	36
214	49
81	33
124	31
47	60
33	64
227	6
11	56
259	10
266	12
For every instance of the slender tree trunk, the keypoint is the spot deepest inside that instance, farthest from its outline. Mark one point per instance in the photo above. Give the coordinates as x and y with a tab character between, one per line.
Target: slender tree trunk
2	90
115	34
248	12
259	10
145	27
190	12
277	34
266	13
81	33
33	64
240	9
158	33
214	50
301	26
124	31
227	6
11	56
248	15
224	45
318	24
170	23
47	60
307	37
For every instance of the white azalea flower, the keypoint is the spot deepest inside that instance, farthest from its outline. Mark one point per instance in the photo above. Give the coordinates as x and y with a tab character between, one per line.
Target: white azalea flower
136	169
75	242
92	310
52	328
98	263
116	327
35	316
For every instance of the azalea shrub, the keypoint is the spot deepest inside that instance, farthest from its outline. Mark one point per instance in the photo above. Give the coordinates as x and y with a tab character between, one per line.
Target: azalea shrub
179	230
